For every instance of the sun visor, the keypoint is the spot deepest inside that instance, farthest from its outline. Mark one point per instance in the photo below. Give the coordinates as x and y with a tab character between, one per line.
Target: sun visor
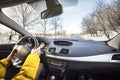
40	5
51	8
67	3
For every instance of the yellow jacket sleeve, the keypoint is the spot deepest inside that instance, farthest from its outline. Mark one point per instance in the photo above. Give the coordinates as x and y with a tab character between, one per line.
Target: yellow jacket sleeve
3	67
29	69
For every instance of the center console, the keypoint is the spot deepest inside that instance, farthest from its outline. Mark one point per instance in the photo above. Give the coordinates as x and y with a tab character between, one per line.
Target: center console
57	69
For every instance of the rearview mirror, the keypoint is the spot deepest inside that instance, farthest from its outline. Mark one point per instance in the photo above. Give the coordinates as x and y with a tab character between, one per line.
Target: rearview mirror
50	12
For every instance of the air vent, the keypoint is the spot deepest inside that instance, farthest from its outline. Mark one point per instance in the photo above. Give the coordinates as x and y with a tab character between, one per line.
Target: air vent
52	50
116	57
64	51
114	50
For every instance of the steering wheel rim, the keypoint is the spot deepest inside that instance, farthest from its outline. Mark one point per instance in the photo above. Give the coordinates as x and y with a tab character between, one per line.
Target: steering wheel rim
22	49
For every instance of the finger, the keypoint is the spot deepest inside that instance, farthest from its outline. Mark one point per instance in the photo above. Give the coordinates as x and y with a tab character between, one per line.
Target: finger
42	45
33	50
39	48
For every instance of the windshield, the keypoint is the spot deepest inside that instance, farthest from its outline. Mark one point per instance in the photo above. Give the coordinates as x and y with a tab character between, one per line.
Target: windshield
88	19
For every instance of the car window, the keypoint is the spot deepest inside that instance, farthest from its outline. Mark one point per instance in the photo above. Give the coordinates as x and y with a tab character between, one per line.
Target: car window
88	19
5	33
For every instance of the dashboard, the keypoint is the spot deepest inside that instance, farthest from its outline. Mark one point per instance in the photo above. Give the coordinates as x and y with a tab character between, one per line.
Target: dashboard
66	54
78	48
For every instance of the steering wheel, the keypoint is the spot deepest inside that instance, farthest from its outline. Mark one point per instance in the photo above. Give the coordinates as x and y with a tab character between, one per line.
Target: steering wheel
22	49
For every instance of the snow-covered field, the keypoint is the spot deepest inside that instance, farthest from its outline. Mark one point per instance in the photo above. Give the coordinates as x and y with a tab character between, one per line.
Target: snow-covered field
101	37
88	37
5	32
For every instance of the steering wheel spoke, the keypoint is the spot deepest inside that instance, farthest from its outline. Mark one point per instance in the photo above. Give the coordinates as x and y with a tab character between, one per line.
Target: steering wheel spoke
22	49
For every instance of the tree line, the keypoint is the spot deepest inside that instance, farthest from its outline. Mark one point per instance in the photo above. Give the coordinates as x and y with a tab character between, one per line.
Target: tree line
104	20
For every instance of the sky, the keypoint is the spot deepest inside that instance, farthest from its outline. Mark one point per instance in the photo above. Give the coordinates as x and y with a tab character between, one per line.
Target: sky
72	16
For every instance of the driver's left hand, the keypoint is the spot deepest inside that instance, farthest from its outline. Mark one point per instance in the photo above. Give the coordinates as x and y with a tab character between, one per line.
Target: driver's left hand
9	56
33	51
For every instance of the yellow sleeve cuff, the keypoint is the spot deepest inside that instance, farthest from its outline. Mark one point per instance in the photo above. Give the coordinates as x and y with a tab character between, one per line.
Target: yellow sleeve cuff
4	62
3	67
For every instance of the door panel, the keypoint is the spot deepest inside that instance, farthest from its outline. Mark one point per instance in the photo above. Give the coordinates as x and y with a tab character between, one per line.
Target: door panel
5	49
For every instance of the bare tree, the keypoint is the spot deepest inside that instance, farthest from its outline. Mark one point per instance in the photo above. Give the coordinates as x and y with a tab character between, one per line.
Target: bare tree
44	26
89	24
25	15
99	20
57	24
116	15
111	18
86	25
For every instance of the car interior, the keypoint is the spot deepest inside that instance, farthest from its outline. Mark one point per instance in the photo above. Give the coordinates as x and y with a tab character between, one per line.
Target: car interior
66	58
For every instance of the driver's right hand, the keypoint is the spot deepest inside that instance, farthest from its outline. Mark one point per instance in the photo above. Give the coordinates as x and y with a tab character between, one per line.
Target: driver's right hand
36	51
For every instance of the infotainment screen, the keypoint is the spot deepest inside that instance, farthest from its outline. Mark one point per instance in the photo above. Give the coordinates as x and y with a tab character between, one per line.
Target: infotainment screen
63	43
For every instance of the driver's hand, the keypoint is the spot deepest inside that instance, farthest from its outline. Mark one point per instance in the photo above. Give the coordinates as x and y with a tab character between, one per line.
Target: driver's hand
36	51
9	57
33	51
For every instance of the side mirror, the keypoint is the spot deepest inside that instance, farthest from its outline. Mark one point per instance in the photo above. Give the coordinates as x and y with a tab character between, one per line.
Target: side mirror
14	37
50	12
